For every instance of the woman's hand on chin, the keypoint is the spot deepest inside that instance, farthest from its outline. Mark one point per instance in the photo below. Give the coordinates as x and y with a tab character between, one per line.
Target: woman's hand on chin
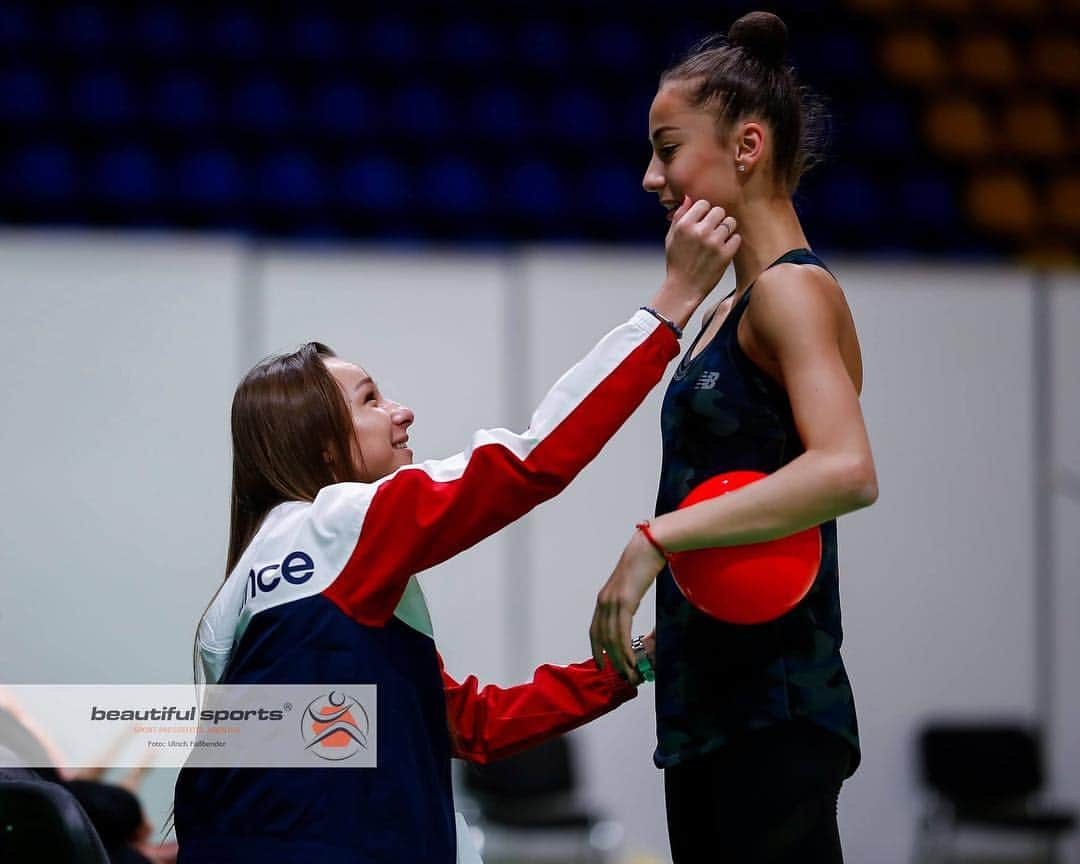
699	246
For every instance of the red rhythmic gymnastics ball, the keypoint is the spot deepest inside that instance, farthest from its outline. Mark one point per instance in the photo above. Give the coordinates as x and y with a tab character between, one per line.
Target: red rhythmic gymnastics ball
747	584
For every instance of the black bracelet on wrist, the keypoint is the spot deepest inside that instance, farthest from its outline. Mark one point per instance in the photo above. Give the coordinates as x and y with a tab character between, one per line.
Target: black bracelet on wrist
663	319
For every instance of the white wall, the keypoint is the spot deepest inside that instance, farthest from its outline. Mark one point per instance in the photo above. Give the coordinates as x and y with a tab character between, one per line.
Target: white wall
119	365
1065	723
122	355
936	577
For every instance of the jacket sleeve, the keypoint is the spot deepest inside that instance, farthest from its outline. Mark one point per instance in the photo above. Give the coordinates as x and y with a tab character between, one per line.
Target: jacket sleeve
426	513
497	722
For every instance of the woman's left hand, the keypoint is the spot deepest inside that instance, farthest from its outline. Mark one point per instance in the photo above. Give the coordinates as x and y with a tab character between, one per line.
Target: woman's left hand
617	602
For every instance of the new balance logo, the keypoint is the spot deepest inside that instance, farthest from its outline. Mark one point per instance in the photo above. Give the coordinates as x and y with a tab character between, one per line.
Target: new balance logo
707	381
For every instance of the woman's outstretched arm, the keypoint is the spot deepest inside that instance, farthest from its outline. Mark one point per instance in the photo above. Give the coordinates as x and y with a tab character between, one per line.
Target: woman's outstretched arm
496	722
424	514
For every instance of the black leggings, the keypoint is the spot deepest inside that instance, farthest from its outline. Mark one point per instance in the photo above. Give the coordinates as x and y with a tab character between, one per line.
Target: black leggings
768	797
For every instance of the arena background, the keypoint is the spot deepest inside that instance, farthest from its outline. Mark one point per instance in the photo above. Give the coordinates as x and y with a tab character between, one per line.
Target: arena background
450	195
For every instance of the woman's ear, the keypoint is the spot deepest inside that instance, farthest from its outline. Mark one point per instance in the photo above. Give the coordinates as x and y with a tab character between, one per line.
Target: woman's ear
749	145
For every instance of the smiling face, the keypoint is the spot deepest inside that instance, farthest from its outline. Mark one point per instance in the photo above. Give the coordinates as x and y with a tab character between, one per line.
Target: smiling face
380	425
694	156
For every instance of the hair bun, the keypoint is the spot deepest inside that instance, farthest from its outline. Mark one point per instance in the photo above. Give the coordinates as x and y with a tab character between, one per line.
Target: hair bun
762	35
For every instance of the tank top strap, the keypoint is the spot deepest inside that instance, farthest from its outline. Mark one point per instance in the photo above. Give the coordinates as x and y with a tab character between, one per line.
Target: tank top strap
793	256
800	256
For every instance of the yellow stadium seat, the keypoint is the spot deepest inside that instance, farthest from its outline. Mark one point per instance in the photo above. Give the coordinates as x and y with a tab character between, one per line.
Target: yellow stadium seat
951	8
1049	253
958	127
1055	60
988	60
914	57
876	7
1020	9
1063	204
1003	203
1036	129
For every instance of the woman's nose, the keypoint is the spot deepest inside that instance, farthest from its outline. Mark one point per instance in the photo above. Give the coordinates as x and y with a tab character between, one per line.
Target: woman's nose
653	181
401	415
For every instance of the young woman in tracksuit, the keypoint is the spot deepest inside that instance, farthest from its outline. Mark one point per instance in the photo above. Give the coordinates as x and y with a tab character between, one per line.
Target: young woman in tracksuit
331	520
756	724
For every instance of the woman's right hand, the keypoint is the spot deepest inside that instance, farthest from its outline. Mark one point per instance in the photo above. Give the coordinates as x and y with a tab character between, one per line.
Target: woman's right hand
699	245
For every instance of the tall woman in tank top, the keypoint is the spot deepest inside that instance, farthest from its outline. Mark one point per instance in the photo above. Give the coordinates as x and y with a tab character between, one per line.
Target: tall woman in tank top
756	724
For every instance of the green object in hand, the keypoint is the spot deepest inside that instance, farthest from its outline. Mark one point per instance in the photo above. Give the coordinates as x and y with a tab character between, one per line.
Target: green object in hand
641	659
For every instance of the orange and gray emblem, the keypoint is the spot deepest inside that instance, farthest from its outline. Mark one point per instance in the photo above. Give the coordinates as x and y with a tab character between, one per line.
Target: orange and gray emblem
335	726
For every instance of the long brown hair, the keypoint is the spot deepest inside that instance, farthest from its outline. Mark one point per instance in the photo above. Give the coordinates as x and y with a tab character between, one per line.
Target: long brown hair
291	436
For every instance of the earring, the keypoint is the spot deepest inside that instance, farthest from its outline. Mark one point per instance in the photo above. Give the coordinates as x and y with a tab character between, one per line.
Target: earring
741	167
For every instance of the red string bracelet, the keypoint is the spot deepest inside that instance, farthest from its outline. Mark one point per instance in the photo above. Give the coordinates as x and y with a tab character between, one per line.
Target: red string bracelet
643	527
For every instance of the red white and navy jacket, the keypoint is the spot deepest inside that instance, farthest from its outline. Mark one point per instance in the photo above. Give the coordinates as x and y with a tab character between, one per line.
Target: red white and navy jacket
313	600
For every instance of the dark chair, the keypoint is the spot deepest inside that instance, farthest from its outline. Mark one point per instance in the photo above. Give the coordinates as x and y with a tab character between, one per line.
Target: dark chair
985	776
42	821
529	809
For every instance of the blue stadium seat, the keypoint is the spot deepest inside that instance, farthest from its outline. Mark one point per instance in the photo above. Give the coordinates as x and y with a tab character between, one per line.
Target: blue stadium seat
392	39
237	33
615	193
210	177
883	127
928	200
183	100
82	27
543	44
681	37
44	172
374	183
631	122
127	175
290	180
833	57
453	186
535	189
262	104
341	108
852	199
420	109
614	45
15	26
102	98
469	43
578	114
498	111
24	95
316	36
161	30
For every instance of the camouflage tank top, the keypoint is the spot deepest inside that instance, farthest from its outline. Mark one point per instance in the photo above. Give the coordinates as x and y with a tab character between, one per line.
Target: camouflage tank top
716	680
